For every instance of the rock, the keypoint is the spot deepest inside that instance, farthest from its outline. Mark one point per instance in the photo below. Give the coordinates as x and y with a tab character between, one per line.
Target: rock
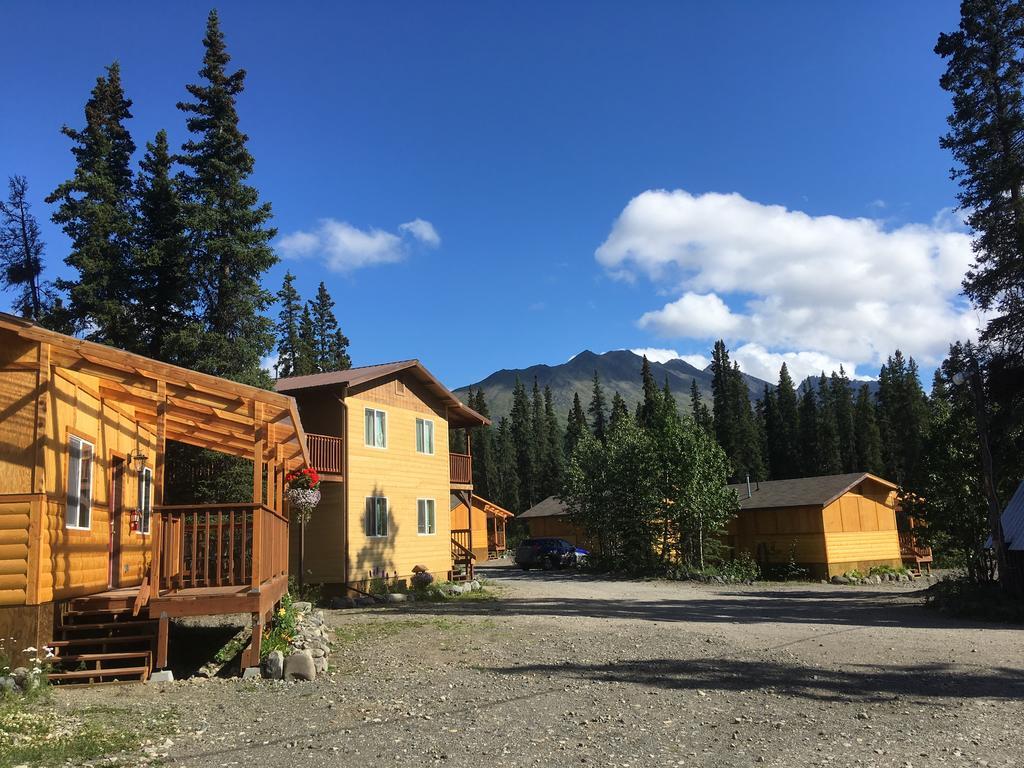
875	579
7	685
363	602
475	585
299	666
840	580
252	673
397	597
273	667
317	653
904	577
342	602
23	679
162	676
302	606
320	665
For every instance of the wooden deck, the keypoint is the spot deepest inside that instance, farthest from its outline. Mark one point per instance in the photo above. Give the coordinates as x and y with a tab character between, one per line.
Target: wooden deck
190	601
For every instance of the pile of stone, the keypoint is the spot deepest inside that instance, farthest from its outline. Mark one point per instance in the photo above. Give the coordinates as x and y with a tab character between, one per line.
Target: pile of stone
20	680
308	651
851	578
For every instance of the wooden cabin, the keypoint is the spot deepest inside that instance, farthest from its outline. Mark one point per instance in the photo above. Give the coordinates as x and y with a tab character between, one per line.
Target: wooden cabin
828	525
487	522
550	519
380	443
92	562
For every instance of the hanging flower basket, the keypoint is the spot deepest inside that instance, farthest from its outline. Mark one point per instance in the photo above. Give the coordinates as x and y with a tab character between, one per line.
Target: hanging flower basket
303	493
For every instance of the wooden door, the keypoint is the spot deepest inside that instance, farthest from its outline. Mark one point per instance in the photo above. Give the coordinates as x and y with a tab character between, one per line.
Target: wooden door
117	475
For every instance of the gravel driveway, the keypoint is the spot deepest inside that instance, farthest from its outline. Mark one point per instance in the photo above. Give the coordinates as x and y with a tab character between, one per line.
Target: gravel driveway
566	669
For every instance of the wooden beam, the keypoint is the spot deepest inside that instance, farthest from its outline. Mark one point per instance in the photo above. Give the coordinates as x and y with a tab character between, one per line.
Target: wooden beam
160	458
42	403
257	457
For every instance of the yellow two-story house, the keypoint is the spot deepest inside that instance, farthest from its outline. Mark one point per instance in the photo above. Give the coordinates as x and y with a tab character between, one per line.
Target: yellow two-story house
378	436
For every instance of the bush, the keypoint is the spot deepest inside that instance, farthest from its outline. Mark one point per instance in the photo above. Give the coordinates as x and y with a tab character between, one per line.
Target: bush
742	568
281	631
885	570
422	580
963	597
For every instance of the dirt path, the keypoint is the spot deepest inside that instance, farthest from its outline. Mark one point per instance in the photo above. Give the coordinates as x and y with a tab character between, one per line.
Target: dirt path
570	670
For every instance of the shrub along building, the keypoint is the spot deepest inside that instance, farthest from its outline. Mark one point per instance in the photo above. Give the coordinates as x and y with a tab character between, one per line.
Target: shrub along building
92	562
829	524
380	443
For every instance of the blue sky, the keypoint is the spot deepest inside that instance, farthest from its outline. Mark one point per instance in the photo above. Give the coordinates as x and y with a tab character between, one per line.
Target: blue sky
597	175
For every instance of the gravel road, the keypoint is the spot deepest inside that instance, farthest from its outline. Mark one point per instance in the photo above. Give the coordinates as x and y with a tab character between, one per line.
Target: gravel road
565	669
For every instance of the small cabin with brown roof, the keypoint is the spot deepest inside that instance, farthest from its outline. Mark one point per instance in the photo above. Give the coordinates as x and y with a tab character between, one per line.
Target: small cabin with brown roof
829	524
379	438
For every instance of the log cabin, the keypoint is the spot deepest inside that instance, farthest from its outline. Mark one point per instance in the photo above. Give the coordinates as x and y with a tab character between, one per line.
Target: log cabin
828	525
488	525
93	563
380	442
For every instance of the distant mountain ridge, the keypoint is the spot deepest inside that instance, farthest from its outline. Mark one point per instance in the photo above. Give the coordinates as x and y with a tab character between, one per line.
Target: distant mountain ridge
619	371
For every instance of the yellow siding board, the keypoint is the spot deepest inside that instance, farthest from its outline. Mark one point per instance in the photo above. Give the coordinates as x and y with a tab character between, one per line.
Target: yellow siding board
15	516
854	546
17	430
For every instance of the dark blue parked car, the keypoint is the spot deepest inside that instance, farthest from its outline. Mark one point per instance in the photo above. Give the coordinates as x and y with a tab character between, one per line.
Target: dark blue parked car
548	553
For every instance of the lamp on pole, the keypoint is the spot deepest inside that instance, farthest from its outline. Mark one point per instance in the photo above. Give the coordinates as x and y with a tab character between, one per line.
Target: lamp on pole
971	376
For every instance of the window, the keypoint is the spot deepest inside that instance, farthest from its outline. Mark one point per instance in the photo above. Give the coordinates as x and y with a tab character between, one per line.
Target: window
145	499
79	510
376	431
376	516
424	436
425	517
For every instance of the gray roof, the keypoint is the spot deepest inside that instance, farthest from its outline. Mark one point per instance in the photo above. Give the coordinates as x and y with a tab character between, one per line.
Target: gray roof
801	491
1013	521
552	506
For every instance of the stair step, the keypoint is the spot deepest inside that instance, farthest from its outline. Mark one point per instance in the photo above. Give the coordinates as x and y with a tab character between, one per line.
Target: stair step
120	655
117	640
92	674
126	624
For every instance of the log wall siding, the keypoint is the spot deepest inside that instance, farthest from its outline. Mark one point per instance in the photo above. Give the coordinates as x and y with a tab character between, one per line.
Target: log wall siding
402	475
15	522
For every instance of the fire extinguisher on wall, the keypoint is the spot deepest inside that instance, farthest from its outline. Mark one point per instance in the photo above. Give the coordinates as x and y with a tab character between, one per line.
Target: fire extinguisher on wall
135	520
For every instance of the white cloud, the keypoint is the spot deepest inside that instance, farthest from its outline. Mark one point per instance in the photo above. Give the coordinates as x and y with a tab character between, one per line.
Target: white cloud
849	290
697	361
758	361
344	247
657	355
423	231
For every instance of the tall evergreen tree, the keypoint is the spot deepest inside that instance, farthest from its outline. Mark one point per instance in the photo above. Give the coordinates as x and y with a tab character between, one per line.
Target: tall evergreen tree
903	410
288	345
772	434
554	450
521	430
620	411
507	489
94	208
651	401
305	352
576	425
985	76
842	405
868	438
228	226
330	345
699	410
539	443
735	425
808	432
723	405
485	467
166	293
598	410
21	252
788	461
830	460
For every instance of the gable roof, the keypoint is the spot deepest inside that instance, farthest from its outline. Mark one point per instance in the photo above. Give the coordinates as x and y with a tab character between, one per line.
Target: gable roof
552	506
802	491
1012	520
479	502
459	415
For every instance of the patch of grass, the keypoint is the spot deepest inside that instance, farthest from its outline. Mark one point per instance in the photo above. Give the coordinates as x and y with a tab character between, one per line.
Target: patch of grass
33	734
381	629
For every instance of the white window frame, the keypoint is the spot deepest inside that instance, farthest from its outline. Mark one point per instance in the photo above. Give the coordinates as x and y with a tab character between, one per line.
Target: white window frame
145	481
421	517
387	517
424	423
73	510
384	431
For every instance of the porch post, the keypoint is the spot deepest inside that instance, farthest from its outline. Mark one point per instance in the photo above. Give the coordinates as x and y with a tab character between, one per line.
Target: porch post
156	532
257	500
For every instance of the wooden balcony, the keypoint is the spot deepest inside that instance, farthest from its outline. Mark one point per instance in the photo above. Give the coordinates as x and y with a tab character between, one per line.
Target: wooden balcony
218	558
913	553
325	453
461	466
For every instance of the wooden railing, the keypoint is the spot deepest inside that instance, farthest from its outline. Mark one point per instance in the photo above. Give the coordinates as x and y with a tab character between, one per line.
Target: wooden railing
218	545
911	547
462	554
461	467
324	452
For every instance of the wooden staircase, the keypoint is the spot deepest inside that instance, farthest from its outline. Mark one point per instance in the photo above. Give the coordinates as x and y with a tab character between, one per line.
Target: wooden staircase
463	559
102	642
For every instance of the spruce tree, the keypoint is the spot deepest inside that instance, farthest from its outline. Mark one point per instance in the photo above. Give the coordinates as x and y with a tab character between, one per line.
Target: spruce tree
330	345
164	285
746	458
576	425
21	252
538	444
305	352
94	208
723	405
554	451
485	468
288	327
842	404
903	412
228	226
808	432
699	410
620	411
868	438
985	76
788	460
598	410
648	407
521	431
772	435
830	460
507	489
